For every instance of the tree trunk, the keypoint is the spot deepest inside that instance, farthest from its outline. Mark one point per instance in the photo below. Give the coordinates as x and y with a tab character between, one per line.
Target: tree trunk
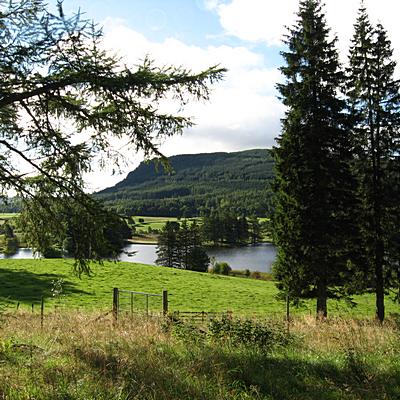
322	308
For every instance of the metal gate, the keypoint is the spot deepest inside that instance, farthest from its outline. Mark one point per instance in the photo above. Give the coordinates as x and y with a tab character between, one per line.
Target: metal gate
128	300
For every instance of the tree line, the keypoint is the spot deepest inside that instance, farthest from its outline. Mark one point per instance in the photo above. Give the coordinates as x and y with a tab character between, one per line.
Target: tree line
225	227
182	244
336	221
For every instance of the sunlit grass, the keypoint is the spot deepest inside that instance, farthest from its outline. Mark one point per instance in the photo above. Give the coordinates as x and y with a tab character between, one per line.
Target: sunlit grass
26	281
77	355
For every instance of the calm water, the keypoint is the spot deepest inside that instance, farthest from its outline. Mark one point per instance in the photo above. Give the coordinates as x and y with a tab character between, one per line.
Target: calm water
21	253
254	258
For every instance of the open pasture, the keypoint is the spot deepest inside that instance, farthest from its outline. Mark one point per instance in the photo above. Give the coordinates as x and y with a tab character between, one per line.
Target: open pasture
26	281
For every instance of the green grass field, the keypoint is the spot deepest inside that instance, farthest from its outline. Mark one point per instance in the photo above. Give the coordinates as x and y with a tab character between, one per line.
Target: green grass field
26	281
80	353
153	222
7	215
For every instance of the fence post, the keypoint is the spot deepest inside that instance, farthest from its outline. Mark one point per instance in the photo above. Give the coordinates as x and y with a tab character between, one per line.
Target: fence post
165	302
41	311
131	304
115	305
147	305
288	312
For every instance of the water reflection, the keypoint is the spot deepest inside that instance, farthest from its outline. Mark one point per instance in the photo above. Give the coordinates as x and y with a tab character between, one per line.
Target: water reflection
254	258
21	253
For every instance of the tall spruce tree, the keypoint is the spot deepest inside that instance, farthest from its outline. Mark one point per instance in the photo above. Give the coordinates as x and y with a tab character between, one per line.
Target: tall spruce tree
373	97
168	252
314	188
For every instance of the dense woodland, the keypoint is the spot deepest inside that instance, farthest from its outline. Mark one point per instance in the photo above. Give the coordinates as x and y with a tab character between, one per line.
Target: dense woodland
196	184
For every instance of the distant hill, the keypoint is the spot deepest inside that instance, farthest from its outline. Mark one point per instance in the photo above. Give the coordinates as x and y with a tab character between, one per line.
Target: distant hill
198	183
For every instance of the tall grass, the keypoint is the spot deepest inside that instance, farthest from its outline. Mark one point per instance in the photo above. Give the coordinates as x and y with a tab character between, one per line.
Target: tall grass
84	356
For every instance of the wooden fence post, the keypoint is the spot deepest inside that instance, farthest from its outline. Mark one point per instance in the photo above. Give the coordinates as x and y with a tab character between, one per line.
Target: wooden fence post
165	302
115	305
288	312
41	311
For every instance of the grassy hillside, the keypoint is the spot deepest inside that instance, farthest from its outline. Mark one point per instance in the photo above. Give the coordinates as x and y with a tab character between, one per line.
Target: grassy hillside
197	182
83	356
25	281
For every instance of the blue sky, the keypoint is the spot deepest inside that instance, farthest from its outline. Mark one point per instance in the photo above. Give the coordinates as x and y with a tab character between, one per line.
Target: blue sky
242	35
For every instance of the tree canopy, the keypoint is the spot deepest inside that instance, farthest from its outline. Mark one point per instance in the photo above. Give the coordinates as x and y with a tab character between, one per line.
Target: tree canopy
64	101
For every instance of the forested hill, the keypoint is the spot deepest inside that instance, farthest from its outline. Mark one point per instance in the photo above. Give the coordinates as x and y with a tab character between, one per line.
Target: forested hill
198	183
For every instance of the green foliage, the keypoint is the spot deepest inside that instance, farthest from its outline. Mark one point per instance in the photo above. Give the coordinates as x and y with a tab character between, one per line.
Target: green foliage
248	333
180	246
198	259
315	216
9	240
198	183
83	232
224	226
374	99
222	268
76	99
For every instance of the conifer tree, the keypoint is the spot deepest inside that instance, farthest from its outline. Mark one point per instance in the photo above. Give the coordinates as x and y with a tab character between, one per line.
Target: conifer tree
255	230
314	188
168	253
373	97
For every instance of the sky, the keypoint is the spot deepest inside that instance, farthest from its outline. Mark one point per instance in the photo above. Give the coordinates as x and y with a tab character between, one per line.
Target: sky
245	36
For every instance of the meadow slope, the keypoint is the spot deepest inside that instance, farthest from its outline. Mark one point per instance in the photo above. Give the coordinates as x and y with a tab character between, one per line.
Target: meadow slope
26	281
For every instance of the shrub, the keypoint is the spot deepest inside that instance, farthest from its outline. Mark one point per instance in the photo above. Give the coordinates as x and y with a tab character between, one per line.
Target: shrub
221	268
52	252
256	275
141	220
248	332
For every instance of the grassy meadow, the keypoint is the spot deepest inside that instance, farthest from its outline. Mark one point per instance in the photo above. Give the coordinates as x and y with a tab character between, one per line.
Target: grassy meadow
4	216
26	281
80	353
144	229
84	356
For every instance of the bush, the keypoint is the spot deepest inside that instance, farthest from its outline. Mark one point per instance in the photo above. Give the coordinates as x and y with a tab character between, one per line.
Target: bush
52	252
221	268
255	275
248	332
141	220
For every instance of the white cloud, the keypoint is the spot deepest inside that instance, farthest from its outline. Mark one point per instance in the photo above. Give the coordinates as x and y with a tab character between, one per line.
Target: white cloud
265	21
243	111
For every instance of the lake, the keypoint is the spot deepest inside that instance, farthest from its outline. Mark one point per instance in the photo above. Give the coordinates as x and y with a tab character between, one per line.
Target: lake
254	258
